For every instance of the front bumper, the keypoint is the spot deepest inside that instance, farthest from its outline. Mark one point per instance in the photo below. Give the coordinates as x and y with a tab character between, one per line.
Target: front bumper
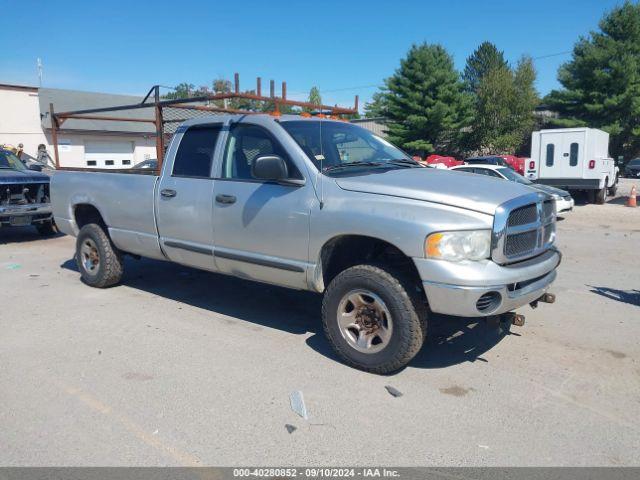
455	288
563	205
39	212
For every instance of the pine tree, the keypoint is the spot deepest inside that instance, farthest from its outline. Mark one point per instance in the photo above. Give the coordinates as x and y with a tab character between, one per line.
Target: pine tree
425	102
602	81
485	58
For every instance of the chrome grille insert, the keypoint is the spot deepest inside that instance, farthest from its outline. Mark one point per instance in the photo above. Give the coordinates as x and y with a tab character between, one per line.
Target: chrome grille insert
523	227
523	215
520	243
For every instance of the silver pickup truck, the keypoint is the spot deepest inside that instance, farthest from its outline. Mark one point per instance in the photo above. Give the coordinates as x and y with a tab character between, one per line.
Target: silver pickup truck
326	206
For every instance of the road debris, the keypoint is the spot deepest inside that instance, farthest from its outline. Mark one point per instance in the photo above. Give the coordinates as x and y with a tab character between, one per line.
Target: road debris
290	428
393	391
297	404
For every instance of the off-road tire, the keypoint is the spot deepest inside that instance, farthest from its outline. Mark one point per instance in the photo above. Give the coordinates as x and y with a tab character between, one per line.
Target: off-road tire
111	266
408	311
47	228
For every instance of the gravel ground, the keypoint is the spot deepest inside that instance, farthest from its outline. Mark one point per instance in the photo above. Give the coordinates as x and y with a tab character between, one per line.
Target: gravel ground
181	367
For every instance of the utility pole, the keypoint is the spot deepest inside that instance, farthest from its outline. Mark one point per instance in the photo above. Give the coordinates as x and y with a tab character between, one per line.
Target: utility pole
39	66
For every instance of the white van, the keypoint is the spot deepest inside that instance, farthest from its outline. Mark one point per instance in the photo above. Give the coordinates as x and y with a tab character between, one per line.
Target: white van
574	159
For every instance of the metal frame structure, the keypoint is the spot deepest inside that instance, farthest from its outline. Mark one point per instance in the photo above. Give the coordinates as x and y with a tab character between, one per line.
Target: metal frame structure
57	119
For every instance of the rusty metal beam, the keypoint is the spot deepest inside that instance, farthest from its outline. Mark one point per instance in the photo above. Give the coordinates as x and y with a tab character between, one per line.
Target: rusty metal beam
54	134
63	116
159	131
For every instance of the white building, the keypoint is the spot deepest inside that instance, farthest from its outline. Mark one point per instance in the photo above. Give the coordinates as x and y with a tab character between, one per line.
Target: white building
24	118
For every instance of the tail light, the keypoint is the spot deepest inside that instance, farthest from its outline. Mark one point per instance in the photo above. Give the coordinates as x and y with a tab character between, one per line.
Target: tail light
532	165
592	164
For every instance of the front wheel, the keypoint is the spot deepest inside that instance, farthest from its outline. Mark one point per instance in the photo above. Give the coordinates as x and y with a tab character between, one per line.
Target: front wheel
99	261
373	318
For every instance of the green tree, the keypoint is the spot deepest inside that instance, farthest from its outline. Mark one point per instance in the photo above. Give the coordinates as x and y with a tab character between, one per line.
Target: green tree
602	81
484	59
378	106
425	102
505	100
183	90
314	96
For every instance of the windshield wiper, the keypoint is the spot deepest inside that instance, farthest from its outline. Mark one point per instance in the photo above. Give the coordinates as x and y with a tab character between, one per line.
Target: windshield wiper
352	164
404	162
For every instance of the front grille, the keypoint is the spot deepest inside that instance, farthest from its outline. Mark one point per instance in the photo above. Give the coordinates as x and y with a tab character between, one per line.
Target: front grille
523	216
521	243
523	227
24	193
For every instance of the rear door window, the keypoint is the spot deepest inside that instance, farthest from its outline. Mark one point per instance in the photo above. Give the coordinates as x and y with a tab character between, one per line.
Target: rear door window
573	154
195	152
550	153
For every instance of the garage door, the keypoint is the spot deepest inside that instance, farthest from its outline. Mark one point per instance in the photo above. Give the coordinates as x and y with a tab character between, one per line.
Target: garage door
106	154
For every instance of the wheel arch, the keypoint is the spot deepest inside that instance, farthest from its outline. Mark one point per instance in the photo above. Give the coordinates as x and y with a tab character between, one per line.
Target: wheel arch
347	250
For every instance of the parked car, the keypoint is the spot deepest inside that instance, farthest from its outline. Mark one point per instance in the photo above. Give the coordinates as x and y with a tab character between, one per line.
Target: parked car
488	160
24	195
147	164
275	200
632	169
574	159
517	163
563	199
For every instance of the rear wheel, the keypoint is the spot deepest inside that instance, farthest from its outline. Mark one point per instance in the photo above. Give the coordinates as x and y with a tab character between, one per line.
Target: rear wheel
613	189
373	318
601	195
99	261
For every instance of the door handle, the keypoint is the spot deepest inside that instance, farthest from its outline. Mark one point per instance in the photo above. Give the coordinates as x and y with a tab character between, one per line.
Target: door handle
226	199
167	192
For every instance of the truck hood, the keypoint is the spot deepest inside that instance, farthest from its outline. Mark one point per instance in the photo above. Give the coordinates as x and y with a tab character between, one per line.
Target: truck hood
550	190
458	189
17	176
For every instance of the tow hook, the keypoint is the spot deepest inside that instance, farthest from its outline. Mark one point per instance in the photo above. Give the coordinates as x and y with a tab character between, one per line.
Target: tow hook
545	298
509	318
548	298
513	318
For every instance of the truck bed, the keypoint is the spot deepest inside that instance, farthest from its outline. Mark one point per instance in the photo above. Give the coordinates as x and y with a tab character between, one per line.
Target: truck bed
126	203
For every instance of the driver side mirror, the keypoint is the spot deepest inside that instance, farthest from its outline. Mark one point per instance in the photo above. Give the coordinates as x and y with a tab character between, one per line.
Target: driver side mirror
270	167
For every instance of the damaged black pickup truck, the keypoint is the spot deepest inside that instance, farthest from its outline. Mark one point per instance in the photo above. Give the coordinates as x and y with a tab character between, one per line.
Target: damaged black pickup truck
24	195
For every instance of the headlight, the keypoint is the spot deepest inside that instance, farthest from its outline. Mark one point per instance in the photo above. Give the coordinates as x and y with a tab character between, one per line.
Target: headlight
458	246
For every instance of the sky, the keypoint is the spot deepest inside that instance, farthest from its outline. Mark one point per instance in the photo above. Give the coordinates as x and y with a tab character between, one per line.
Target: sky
345	48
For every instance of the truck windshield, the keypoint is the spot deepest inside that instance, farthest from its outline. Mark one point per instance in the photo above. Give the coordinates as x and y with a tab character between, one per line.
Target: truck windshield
10	161
335	146
513	176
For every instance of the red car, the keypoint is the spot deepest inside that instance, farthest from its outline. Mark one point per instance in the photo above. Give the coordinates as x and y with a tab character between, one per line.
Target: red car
446	161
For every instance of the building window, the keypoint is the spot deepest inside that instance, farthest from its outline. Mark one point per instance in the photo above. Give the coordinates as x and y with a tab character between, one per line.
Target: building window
108	162
550	151
195	152
126	162
91	163
573	154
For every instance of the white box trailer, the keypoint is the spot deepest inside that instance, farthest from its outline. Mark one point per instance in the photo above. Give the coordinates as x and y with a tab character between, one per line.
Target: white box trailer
574	159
